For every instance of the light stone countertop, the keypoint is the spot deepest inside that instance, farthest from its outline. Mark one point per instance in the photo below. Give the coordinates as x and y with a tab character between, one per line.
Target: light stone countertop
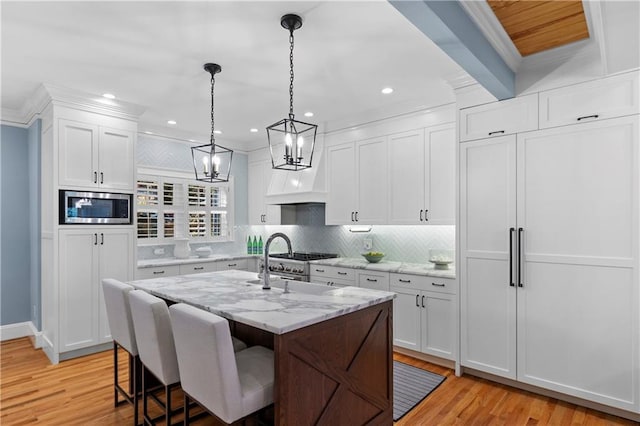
228	294
425	269
168	261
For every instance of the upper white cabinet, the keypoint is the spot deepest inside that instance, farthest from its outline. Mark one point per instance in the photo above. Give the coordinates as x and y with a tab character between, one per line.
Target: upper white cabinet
261	213
357	181
499	118
92	156
549	259
422	176
594	100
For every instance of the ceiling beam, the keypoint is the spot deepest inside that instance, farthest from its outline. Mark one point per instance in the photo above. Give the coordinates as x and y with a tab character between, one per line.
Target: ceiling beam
450	28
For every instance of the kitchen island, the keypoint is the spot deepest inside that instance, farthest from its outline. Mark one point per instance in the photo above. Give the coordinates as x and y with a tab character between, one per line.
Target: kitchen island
333	346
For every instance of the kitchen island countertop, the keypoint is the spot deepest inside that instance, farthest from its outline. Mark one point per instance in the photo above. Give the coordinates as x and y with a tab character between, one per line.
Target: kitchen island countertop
167	261
425	269
230	295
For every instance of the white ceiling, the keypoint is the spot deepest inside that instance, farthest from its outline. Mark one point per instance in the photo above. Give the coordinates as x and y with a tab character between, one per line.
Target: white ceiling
151	54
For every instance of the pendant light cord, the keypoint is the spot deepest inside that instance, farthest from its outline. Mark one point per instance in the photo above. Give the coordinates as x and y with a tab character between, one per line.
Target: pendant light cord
213	127
291	115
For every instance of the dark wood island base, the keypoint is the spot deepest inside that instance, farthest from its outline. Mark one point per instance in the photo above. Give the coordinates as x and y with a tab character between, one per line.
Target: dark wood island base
337	372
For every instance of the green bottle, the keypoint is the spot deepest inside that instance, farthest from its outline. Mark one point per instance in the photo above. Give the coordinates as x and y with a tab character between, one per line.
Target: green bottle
260	245
249	246
254	246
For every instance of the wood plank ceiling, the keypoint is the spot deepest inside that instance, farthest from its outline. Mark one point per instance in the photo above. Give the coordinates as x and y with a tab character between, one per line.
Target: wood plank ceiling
534	25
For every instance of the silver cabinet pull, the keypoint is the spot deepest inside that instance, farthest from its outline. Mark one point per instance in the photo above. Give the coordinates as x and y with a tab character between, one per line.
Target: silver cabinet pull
404	281
372	280
511	231
588	116
520	234
497	132
437	284
158	272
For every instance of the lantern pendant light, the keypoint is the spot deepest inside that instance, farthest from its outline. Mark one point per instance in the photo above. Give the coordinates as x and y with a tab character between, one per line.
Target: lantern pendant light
211	162
291	142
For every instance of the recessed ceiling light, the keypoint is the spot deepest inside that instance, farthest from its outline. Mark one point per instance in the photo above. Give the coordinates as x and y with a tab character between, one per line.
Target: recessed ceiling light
217	132
148	132
253	130
172	122
387	90
308	114
109	96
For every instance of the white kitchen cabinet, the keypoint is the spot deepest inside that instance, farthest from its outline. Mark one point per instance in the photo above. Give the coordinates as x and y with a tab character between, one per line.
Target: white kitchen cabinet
87	256
373	280
157	272
226	265
424	321
357	182
422	176
549	259
332	275
594	100
93	156
499	118
261	213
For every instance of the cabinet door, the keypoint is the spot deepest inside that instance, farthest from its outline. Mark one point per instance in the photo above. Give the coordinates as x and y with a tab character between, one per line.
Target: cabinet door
440	179
578	326
341	194
406	319
487	212
374	280
373	180
407	178
78	293
259	178
78	154
438	324
115	248
116	159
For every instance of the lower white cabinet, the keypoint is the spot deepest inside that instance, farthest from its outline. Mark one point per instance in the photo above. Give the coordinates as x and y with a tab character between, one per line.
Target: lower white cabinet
373	280
424	320
332	275
87	256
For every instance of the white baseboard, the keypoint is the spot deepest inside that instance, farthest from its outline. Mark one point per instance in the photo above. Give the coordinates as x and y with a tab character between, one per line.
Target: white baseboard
21	329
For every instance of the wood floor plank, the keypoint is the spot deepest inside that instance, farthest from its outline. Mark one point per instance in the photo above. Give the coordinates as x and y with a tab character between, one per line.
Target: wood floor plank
80	392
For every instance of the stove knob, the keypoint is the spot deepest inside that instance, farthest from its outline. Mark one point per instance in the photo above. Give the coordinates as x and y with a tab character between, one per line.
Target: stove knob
288	269
272	268
281	267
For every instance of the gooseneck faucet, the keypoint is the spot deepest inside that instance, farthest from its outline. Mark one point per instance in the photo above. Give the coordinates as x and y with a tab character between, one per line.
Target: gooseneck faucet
267	284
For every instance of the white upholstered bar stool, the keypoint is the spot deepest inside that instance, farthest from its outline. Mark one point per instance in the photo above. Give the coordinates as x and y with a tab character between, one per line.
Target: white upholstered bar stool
116	299
229	385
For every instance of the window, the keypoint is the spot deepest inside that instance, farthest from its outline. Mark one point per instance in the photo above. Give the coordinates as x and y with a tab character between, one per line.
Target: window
170	207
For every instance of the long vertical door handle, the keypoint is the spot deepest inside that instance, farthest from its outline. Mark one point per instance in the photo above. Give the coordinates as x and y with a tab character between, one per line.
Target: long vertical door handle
101	177
421	215
95	177
417	304
520	234
356	216
423	301
352	217
426	215
511	231
95	239
101	239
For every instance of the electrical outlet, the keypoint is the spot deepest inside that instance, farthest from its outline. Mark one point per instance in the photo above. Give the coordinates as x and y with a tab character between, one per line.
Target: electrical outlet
367	243
158	251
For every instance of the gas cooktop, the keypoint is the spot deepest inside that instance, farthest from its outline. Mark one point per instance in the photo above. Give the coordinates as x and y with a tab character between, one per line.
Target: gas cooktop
303	256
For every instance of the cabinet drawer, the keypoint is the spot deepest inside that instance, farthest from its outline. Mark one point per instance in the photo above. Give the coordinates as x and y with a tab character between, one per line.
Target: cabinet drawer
594	100
225	265
499	118
374	280
333	282
322	271
418	282
157	272
196	268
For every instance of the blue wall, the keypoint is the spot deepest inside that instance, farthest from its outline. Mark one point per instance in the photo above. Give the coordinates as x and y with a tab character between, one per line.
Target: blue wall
15	254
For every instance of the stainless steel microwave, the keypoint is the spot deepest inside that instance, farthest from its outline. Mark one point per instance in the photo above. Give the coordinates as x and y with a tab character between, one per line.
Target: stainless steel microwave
95	208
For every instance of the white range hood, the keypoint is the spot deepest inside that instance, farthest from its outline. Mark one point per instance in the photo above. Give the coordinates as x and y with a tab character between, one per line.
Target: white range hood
301	187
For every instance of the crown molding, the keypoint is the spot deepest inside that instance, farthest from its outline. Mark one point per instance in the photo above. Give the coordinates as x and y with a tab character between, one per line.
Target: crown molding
482	14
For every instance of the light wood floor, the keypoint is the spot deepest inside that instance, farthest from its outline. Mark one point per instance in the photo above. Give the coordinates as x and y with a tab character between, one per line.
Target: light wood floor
79	392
